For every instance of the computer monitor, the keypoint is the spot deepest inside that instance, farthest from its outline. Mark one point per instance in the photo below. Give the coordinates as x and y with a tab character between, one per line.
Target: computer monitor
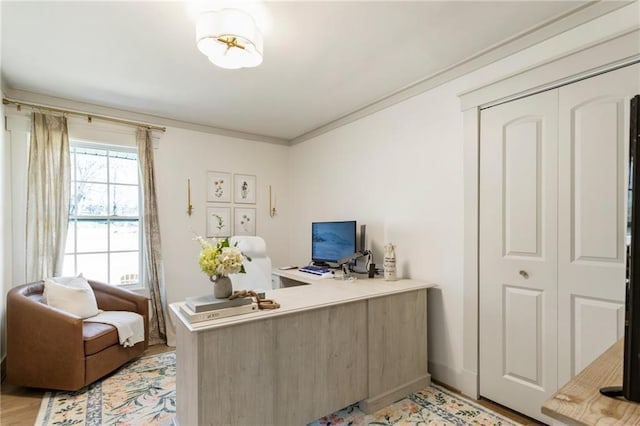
332	241
630	388
631	369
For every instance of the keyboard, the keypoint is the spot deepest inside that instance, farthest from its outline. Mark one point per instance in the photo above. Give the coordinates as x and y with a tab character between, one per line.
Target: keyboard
316	270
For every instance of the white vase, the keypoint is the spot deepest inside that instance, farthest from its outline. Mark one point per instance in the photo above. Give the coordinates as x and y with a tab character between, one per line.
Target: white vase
222	287
389	263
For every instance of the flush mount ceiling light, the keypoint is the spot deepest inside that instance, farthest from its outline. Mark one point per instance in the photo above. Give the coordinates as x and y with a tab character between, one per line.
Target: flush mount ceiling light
230	38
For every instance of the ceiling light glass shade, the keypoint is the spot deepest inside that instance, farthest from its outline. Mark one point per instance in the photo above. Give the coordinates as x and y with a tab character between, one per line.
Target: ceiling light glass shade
229	38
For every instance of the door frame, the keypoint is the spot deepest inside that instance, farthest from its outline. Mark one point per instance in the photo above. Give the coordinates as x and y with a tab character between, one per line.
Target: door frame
607	55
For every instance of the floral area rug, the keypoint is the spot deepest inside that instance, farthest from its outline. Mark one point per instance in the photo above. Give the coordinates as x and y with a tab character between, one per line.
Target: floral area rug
143	393
431	406
140	393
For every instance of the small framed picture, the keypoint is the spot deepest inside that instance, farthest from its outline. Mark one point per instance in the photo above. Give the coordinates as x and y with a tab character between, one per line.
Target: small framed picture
219	187
244	221
218	222
244	189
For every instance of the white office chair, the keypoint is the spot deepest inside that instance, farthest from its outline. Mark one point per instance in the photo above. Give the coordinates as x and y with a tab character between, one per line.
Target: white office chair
258	276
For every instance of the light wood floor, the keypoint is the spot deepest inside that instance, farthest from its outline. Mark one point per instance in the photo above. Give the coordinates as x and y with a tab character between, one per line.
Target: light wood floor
19	406
508	413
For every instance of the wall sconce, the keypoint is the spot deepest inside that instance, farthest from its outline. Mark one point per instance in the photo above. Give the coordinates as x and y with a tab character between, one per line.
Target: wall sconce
272	204
189	205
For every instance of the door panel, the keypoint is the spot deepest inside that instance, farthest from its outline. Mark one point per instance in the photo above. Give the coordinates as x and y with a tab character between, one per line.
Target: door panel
596	179
522	345
592	188
518	252
521	150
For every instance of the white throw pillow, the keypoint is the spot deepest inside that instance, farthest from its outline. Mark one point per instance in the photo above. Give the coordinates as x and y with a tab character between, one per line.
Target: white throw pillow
61	280
71	294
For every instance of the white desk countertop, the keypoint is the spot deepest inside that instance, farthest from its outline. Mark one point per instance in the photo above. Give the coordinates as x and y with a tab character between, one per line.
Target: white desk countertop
320	292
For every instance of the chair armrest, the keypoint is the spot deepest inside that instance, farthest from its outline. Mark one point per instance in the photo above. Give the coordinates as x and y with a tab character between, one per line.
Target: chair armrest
41	340
112	298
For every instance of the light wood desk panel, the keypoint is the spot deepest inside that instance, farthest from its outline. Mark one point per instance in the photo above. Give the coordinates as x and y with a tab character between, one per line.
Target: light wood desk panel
397	348
331	344
321	362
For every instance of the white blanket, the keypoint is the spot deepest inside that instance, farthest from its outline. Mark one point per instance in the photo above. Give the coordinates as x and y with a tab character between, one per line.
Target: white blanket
130	325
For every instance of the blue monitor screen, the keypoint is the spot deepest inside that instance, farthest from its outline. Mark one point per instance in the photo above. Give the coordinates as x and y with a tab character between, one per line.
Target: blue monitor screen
332	241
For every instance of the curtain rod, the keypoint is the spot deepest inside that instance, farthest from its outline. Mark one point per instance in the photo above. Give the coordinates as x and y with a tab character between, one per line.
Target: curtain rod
89	116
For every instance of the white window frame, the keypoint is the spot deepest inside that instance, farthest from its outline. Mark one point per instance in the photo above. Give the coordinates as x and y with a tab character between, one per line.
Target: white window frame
73	220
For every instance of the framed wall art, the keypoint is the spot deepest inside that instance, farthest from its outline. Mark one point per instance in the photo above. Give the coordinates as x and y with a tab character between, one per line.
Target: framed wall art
218	222
244	221
219	187
244	189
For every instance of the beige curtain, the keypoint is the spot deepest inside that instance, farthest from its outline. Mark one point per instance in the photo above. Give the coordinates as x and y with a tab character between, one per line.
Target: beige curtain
152	248
48	182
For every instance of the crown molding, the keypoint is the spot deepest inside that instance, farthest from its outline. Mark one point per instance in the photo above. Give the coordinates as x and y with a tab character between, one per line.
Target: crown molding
537	34
88	108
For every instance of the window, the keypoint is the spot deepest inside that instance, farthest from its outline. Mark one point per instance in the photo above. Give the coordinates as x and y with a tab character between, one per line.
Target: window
104	236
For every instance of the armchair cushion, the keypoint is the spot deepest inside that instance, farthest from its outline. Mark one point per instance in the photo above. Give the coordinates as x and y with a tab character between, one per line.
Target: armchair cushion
71	295
98	336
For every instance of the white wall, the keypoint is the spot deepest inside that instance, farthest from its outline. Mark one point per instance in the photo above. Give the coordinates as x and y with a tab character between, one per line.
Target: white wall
183	154
400	172
180	154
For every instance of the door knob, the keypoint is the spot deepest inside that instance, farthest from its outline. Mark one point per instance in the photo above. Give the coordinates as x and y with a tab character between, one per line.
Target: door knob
524	274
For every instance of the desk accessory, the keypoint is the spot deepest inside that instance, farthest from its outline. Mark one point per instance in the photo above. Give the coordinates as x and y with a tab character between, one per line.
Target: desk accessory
258	297
193	317
372	270
346	272
211	303
390	262
316	270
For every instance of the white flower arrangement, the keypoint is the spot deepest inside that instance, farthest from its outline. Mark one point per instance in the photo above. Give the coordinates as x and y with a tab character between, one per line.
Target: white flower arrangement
221	259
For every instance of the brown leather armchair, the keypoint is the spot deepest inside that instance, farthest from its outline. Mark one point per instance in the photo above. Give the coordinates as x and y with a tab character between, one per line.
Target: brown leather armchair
50	348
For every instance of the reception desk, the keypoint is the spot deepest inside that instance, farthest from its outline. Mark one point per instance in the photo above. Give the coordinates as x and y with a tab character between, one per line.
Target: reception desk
331	344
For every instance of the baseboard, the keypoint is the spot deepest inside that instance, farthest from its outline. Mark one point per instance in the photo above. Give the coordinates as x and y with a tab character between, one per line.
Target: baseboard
469	386
371	405
447	375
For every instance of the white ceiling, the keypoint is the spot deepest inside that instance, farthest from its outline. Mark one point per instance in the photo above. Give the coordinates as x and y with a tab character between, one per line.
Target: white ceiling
322	60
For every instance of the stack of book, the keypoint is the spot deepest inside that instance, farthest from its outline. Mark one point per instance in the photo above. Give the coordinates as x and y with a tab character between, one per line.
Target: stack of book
204	308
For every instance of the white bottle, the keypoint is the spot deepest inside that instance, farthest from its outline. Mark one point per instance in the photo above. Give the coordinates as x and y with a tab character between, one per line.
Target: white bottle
390	262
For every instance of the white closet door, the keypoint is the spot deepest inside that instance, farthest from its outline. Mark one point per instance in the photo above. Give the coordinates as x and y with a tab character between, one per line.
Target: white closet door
593	176
518	252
